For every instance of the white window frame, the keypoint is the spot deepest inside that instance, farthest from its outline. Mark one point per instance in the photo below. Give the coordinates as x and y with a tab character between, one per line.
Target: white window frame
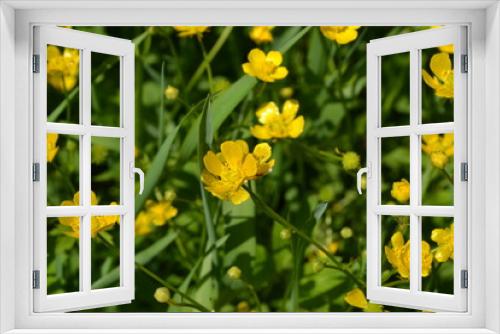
16	21
412	44
87	44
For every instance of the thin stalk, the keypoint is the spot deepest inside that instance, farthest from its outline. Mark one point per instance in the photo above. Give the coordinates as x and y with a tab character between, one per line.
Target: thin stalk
208	67
282	221
254	295
448	176
209	57
162	104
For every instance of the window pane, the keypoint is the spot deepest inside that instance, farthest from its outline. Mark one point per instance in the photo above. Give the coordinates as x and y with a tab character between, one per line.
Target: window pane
438	233
437	84
105	250
395	232
105	157
105	90
395	85
437	169
63	260
63	165
395	171
63	77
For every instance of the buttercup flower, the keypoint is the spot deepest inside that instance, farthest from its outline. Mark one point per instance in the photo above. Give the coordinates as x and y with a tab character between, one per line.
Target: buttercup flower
98	223
265	67
190	31
227	171
261	34
62	68
341	35
276	124
442	79
401	191
398	256
444	238
356	298
439	148
156	213
52	147
171	93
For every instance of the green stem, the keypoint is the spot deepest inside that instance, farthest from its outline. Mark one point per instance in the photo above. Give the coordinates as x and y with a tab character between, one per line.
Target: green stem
162	104
282	221
208	67
448	176
209	57
254	295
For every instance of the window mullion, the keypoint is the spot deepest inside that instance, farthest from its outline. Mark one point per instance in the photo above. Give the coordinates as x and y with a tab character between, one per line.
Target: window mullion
85	177
415	185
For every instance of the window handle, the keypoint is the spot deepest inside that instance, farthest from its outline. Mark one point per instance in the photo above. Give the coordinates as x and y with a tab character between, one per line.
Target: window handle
134	170
359	174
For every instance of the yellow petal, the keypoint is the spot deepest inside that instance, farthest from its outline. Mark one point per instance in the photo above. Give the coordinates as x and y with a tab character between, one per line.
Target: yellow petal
290	109
262	151
347	36
397	240
207	177
239	196
244	146
296	127
356	298
430	81
269	112
249	167
256	56
260	132
212	163
275	57
280	73
441	65
248	69
232	153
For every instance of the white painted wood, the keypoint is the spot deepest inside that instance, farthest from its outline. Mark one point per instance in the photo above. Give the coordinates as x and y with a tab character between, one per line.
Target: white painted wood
414	43
86	297
484	99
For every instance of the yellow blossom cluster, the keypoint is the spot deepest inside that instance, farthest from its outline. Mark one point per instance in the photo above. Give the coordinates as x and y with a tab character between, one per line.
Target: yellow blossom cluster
439	148
227	171
444	238
156	213
62	68
190	31
340	34
401	191
398	256
52	147
261	34
278	125
442	79
98	223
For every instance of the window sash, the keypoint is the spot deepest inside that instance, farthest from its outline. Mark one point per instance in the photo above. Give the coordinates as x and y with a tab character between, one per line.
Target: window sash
86	43
413	43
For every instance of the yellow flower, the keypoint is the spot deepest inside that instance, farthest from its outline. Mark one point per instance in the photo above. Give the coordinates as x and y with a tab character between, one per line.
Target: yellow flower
227	171
350	161
265	67
190	31
234	273
276	124
444	238
156	213
341	35
162	295
399	256
98	223
52	147
442	81
261	34
62	68
357	298
401	191
171	92
439	148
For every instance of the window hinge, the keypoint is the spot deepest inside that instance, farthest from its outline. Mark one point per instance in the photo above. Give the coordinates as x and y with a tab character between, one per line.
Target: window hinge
36	279
464	171
36	172
465	64
36	63
464	279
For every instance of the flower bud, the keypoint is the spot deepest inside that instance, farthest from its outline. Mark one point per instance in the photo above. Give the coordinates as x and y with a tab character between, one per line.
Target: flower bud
350	161
234	273
162	295
285	234
346	232
171	93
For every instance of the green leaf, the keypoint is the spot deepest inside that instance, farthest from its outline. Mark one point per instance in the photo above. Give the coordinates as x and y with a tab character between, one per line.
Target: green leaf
316	53
143	258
